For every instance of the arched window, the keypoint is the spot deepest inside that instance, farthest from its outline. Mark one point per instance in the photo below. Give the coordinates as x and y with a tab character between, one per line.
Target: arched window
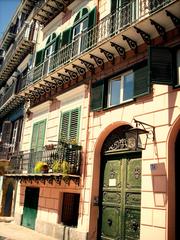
80	26
50	45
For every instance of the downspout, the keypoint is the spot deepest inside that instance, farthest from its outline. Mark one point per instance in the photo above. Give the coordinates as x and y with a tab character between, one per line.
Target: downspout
87	128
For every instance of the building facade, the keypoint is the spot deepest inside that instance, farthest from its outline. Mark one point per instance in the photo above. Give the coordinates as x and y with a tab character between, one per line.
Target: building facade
99	100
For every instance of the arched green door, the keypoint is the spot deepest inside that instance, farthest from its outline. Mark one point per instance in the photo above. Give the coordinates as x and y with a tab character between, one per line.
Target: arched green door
120	196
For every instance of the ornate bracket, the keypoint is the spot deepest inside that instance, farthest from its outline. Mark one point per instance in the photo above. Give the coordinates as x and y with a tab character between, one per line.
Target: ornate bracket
99	61
145	36
88	65
79	69
59	5
34	94
109	56
73	75
51	85
58	81
174	19
160	29
121	50
41	91
65	78
132	44
43	178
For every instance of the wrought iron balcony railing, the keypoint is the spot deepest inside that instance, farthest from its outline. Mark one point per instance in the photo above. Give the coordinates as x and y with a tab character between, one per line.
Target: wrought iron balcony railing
106	28
8	94
23	43
63	159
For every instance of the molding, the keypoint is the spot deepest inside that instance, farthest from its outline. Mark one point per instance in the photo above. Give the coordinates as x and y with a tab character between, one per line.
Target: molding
41	107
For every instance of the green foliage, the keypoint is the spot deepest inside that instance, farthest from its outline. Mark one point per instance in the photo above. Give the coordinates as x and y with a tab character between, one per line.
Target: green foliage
41	167
56	167
61	167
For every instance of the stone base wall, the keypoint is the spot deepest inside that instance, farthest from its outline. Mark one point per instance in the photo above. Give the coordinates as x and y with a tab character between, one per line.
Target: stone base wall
18	218
55	230
59	231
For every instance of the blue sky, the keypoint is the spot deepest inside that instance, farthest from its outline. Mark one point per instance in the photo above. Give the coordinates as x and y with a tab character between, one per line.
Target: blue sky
7	10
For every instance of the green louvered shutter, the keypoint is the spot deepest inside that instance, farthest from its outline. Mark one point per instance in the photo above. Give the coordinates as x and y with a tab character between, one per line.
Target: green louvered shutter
66	37
74	124
97	96
58	40
64	126
141	82
39	57
41	134
124	2
38	134
70	125
6	131
113	5
34	136
92	18
160	65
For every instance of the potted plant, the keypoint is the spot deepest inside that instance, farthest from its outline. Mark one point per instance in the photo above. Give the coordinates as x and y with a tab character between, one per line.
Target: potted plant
56	166
41	167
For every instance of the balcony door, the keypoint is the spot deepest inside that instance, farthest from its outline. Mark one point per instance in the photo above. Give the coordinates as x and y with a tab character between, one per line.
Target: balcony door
48	52
79	40
37	143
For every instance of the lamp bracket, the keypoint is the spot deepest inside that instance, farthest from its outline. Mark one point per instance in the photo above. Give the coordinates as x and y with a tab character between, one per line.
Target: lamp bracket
147	127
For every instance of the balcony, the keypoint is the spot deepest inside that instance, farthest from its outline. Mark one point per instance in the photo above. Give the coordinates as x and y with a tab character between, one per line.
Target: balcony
46	10
23	44
10	100
62	161
136	23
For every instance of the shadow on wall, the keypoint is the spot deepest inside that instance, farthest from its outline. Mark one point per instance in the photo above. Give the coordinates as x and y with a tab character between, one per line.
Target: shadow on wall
159	183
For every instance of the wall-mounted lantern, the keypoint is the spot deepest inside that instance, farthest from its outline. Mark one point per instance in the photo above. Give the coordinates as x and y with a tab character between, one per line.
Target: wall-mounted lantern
137	136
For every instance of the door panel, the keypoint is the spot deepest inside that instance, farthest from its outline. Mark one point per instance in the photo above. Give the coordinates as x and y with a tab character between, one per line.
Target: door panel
120	197
110	223
30	207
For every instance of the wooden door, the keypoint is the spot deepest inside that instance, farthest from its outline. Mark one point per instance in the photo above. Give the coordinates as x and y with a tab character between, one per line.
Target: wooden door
120	197
30	207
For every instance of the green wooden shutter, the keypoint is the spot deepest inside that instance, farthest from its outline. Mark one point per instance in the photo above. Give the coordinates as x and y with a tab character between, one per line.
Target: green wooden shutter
6	131
64	126
66	37
113	5
160	64
34	136
92	18
124	2
58	40
74	124
39	57
41	134
141	82
38	134
97	96
70	125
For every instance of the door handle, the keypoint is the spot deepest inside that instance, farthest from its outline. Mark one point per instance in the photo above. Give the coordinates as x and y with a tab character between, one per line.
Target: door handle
109	221
135	226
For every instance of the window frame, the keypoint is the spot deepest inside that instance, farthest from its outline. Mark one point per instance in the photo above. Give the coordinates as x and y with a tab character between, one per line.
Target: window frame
121	78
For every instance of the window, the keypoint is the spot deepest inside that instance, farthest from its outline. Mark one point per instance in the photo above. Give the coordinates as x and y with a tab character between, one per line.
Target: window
70	125
121	89
80	42
70	209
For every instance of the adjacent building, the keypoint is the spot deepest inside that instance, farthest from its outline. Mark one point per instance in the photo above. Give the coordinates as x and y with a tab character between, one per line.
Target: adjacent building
90	112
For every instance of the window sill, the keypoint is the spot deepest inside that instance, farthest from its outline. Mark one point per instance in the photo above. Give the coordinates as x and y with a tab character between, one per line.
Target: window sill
119	105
